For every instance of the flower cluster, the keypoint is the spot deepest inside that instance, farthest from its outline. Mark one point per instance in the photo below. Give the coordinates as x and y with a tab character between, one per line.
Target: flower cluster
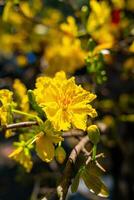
65	104
65	52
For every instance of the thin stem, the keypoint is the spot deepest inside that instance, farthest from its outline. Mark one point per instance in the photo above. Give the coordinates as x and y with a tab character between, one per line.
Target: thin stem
19	125
27	114
94	152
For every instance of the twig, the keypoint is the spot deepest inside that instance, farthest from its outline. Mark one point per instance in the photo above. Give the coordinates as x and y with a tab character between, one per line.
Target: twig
62	188
73	133
19	125
70	133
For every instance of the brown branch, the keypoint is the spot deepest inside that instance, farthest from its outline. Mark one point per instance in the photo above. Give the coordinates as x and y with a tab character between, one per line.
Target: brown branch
19	125
62	188
73	133
70	133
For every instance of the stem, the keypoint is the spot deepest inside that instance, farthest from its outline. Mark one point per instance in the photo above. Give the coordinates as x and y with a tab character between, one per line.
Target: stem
19	125
73	133
62	188
94	152
27	114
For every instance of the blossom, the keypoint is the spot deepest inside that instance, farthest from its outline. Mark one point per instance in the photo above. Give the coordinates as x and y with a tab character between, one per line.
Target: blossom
64	102
99	24
23	156
70	28
5	102
66	55
45	142
21	95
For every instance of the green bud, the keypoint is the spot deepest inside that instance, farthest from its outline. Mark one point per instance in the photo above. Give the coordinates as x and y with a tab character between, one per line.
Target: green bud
93	134
60	154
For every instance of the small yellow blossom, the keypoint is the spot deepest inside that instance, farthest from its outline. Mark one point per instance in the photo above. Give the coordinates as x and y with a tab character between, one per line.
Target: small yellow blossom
64	102
66	55
70	28
21	93
45	142
22	156
100	25
5	103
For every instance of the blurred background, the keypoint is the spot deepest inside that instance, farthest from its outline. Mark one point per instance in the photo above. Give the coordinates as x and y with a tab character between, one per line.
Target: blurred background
93	41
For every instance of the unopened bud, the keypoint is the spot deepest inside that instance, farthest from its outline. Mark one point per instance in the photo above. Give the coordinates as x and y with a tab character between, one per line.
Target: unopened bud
60	154
93	134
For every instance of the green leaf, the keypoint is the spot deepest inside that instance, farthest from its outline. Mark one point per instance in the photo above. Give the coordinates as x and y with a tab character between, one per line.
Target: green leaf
93	169
34	104
76	180
75	183
94	184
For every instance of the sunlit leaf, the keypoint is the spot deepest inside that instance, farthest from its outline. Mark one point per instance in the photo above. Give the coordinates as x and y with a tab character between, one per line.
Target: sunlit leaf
94	183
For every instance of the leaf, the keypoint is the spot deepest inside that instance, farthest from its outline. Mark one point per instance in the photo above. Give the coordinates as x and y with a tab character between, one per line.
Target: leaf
76	180
34	104
92	168
94	184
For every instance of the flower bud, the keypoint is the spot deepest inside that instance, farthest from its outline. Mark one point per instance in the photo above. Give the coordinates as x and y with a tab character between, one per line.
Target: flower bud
60	154
93	134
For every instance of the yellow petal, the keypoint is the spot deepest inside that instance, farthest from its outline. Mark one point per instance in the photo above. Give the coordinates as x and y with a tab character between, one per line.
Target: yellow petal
79	121
45	149
60	122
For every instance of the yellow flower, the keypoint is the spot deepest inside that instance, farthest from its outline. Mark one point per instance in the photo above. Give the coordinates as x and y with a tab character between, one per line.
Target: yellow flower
5	103
98	25
96	19
45	142
66	55
70	28
64	102
21	93
23	156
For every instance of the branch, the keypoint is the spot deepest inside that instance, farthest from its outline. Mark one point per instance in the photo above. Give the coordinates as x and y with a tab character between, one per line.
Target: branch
70	133
62	188
19	125
73	133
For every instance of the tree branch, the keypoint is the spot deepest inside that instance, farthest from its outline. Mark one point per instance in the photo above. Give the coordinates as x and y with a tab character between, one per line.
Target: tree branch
65	182
19	125
70	133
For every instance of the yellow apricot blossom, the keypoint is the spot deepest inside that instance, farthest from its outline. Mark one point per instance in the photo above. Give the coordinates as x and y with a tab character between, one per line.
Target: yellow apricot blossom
70	28
21	93
99	24
22	156
5	109
45	142
66	55
5	103
64	102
